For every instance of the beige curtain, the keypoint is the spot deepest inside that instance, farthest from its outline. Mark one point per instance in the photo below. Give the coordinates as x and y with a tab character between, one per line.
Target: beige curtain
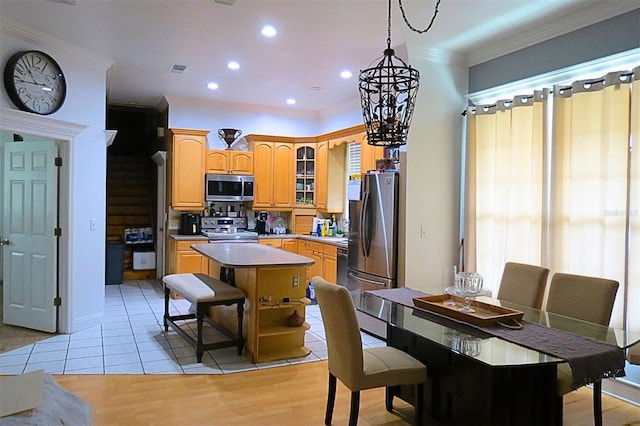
632	305
589	181
504	185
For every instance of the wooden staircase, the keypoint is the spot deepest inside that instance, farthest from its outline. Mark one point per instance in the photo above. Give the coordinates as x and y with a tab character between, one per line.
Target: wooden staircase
130	204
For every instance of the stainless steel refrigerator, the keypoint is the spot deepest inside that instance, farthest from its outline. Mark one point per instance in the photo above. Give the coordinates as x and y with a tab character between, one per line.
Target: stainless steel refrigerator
373	241
373	236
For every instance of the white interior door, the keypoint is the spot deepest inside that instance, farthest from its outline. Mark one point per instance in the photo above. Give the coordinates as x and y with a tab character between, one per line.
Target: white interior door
29	251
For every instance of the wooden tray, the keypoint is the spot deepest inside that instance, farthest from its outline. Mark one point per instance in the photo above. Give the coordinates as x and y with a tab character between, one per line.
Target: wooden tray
485	314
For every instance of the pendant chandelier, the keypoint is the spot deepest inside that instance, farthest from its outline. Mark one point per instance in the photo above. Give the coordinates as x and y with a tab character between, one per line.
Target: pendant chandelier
388	92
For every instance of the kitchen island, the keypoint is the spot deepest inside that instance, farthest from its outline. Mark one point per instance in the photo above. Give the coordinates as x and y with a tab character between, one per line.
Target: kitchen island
274	281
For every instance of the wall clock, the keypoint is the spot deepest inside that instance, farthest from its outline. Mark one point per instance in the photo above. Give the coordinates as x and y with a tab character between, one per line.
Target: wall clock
34	82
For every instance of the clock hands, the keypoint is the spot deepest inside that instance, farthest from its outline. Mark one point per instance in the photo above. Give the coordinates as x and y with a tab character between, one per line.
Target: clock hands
30	82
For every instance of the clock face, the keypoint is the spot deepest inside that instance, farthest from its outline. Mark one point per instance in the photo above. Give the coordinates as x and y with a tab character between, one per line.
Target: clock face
35	82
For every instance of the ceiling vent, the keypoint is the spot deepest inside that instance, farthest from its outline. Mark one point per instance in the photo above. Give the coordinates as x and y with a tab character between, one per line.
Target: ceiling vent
178	69
227	2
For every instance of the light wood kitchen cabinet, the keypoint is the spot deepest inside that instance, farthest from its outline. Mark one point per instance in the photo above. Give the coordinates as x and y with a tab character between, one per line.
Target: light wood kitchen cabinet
326	260
290	244
187	165
313	250
272	242
303	221
182	259
273	171
330	181
221	161
368	154
305	164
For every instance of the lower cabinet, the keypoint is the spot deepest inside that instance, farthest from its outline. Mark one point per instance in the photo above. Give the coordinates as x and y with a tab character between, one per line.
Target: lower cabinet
272	242
183	259
288	244
326	257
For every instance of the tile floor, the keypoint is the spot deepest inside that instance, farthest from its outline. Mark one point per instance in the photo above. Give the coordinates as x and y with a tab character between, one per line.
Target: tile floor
131	340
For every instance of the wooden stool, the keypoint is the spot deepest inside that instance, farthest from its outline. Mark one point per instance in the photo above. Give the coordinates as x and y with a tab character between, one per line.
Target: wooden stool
203	291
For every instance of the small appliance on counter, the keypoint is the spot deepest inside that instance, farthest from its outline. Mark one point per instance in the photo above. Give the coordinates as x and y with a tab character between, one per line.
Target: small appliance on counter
261	223
190	224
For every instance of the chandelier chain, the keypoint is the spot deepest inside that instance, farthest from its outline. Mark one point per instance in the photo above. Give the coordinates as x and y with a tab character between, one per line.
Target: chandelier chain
404	16
389	26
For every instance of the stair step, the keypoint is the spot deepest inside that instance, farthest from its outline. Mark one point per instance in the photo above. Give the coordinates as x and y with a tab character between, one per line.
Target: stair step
127	209
127	201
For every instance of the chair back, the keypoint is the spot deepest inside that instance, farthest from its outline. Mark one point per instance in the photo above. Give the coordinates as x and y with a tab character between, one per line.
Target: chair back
344	342
586	298
523	284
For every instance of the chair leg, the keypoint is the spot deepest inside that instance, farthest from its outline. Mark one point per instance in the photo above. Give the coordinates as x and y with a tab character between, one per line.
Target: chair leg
355	408
419	407
388	398
331	399
166	308
597	403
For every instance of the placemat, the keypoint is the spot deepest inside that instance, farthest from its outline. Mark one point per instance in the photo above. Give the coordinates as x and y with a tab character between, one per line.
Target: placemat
590	360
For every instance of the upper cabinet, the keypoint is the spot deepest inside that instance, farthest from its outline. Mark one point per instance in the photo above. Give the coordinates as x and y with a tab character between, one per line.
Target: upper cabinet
186	161
273	169
229	162
368	153
331	175
305	163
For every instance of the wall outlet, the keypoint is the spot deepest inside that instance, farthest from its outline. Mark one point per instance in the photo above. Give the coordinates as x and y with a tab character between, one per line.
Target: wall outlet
295	283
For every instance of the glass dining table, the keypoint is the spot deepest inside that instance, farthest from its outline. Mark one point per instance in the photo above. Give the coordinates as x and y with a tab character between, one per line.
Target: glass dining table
476	377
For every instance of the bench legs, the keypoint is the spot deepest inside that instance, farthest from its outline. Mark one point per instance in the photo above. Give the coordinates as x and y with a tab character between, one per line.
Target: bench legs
201	315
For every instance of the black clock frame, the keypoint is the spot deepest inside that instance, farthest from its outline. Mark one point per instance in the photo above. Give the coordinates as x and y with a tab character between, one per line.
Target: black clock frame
10	87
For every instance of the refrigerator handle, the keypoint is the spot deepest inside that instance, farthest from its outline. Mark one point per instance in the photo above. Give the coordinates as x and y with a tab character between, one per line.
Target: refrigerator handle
364	225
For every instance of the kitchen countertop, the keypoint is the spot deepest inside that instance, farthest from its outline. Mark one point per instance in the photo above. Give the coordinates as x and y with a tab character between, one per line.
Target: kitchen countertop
178	237
250	255
336	241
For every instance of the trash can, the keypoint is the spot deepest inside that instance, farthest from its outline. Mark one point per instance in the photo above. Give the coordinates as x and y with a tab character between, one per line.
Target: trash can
114	268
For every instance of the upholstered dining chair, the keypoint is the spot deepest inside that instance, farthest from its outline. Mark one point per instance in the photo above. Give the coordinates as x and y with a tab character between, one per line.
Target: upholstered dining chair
357	368
523	284
589	299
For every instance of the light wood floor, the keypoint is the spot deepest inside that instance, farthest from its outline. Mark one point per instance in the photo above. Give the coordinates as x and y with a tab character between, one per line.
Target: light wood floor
293	395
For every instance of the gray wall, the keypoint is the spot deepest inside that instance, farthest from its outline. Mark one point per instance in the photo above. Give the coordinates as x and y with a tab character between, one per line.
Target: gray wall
618	34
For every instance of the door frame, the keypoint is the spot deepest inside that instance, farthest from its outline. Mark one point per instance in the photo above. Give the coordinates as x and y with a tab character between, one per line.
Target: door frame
63	132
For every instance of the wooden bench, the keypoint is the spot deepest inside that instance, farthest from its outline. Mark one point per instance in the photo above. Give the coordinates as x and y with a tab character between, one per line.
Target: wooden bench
204	292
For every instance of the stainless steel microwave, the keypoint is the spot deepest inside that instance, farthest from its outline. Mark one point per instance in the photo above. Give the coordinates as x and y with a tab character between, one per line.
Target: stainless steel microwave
228	187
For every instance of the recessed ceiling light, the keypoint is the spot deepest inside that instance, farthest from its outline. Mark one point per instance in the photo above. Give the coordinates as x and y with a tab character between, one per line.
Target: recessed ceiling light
212	86
233	65
346	74
268	31
291	101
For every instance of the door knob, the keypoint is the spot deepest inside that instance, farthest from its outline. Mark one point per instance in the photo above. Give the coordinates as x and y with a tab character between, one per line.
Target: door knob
4	242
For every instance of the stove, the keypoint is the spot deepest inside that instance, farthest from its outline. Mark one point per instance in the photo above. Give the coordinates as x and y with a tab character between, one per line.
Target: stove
220	229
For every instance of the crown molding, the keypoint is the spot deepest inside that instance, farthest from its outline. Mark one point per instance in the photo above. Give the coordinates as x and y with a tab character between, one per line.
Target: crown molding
593	69
24	122
45	41
578	17
438	55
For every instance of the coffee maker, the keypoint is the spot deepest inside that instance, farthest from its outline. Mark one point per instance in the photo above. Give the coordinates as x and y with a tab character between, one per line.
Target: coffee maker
261	223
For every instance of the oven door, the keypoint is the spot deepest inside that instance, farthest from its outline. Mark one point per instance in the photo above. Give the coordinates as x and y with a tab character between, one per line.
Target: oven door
223	187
